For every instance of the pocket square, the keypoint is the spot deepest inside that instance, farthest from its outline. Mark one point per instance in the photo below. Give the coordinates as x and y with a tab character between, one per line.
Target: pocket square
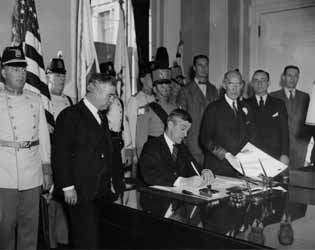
275	114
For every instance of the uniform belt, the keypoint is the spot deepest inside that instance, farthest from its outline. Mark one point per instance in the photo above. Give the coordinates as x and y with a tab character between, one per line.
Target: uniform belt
18	145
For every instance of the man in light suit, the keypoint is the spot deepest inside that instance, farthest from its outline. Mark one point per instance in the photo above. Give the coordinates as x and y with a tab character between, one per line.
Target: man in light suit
271	119
296	102
24	154
226	127
194	98
82	160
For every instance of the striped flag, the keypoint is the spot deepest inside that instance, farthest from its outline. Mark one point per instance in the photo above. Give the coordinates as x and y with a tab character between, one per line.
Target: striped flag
86	58
25	30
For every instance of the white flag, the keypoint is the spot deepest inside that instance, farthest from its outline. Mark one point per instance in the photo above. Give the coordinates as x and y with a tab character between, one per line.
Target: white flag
86	57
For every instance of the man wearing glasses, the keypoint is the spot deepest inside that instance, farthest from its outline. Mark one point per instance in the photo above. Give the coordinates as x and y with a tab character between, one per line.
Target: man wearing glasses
226	127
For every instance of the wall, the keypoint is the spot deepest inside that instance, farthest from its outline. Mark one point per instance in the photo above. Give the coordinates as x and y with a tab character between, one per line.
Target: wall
54	25
195	27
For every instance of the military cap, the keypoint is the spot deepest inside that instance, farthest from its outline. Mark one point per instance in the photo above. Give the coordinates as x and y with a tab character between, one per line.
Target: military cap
161	76
56	65
108	68
146	68
13	56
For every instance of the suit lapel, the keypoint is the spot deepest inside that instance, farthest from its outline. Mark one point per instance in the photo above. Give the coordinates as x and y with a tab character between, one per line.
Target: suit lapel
165	149
197	94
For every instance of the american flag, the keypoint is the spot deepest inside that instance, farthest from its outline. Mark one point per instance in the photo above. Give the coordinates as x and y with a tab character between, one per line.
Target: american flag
25	30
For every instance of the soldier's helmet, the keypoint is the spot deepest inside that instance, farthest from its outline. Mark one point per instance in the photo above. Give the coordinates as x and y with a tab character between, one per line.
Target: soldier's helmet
108	68
56	65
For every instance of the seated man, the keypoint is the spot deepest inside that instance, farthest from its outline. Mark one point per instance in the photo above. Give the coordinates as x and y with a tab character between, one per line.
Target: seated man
166	161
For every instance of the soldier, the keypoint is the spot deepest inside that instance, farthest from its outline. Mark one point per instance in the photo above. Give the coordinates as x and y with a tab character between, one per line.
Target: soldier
152	117
137	102
24	154
56	76
119	132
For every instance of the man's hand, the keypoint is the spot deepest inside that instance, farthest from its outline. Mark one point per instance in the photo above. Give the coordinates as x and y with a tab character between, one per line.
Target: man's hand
207	176
194	181
284	159
71	197
47	181
128	156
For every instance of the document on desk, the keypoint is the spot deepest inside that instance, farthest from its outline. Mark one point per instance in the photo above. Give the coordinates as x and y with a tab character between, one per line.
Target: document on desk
255	163
221	184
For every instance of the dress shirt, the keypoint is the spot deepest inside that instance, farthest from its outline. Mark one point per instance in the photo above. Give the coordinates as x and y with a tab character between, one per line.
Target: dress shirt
287	92
170	145
93	110
203	87
230	102
258	99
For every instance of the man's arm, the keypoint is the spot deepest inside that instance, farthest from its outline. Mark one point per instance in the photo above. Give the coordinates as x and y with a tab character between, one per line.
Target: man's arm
181	99
208	131
63	149
153	169
44	148
142	128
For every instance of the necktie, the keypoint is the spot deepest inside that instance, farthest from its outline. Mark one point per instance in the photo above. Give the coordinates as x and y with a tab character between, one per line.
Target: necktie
261	102
103	117
234	108
291	95
175	152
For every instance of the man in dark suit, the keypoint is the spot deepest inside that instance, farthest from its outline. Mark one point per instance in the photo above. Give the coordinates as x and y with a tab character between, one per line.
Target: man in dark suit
226	127
296	103
81	158
166	161
271	119
194	98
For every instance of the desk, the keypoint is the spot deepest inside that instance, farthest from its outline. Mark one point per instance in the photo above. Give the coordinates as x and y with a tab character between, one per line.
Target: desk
256	224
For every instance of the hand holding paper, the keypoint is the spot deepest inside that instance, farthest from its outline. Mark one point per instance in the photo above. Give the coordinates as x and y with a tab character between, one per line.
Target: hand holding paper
234	162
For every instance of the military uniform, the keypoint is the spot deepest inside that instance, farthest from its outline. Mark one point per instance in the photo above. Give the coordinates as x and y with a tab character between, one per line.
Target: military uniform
59	103
22	122
150	124
58	225
121	139
135	104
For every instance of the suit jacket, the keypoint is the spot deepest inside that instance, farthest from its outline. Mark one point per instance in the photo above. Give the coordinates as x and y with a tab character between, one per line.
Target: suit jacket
299	133
272	132
191	99
157	167
81	154
221	131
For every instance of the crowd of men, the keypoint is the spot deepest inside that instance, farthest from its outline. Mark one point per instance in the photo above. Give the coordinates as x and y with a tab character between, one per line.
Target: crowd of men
171	132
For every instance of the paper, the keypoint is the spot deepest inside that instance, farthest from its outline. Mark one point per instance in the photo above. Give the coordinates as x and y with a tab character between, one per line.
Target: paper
220	184
255	163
